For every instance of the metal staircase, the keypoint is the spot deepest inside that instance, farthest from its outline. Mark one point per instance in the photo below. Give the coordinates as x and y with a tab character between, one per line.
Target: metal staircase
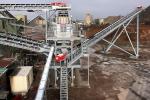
72	57
21	42
63	83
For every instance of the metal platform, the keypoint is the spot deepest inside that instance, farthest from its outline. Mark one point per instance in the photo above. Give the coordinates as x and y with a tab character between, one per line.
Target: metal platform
23	7
30	7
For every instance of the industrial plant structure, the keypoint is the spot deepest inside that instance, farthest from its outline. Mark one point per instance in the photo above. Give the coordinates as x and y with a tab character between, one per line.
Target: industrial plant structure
64	46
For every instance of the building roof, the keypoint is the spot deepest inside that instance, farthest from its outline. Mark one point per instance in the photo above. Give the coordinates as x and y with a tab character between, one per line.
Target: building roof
36	18
2	71
6	15
111	19
22	71
5	62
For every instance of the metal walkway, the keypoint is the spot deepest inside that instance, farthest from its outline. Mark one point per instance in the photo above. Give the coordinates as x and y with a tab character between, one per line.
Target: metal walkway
21	42
24	7
64	83
30	7
101	35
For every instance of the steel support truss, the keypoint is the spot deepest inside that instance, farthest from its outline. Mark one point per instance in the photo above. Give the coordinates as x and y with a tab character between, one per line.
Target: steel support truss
118	33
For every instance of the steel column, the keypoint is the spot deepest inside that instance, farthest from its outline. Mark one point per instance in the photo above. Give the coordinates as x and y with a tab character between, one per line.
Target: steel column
88	70
55	84
46	32
138	37
72	77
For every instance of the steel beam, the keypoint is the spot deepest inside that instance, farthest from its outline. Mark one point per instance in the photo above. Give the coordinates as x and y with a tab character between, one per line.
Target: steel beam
25	7
114	40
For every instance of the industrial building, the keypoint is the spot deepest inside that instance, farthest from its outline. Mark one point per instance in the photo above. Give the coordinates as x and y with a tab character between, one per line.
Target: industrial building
52	59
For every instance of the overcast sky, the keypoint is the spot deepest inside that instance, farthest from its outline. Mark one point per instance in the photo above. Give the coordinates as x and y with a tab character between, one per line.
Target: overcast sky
98	8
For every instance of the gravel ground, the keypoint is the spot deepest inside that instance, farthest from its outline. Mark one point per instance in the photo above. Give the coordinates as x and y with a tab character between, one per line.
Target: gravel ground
113	77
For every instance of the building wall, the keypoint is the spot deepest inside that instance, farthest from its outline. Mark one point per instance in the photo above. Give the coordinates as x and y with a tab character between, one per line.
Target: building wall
6	51
5	27
39	26
88	19
37	22
22	17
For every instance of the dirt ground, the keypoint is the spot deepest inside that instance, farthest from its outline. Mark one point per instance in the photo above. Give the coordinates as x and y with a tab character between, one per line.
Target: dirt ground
113	77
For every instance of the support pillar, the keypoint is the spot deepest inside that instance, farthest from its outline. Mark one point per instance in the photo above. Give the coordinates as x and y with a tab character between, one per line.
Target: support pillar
138	38
55	84
88	71
72	77
46	32
45	95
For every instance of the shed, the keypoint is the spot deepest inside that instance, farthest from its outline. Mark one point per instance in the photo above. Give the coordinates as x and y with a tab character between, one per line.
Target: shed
21	80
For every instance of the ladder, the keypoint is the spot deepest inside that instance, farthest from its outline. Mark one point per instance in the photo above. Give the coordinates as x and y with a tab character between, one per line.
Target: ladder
63	83
72	57
22	42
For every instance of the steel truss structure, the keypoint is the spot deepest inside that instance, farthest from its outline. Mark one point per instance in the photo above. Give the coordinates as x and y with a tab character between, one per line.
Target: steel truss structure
29	44
102	34
118	34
